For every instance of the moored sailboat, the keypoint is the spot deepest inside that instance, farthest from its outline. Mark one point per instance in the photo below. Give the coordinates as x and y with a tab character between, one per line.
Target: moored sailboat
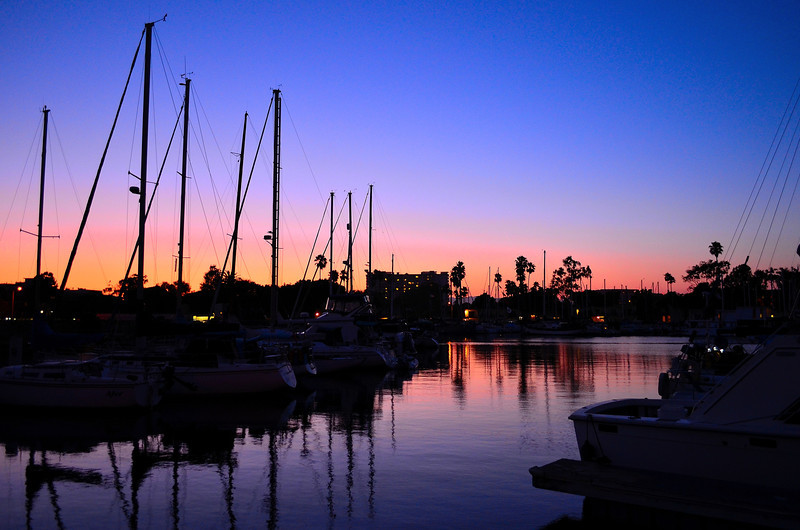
73	384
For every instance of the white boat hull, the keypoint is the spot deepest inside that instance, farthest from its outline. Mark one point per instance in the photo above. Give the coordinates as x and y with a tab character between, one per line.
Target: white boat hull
628	433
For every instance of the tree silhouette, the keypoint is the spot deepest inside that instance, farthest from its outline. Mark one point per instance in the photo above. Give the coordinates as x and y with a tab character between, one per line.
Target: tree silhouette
457	275
321	262
520	267
211	279
715	249
512	289
567	278
530	269
670	279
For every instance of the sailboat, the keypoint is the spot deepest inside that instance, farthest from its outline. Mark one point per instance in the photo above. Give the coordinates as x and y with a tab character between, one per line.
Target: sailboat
208	364
74	384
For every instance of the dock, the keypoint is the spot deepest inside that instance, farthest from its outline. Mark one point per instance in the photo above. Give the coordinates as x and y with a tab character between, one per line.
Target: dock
692	496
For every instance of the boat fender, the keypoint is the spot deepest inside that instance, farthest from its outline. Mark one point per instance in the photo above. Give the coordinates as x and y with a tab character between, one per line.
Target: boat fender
663	385
588	452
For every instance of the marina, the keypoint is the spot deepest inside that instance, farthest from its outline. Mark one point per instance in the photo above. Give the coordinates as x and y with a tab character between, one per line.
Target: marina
413	395
448	445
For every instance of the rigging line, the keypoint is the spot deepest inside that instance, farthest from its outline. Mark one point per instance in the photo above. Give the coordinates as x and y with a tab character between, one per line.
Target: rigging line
297	225
785	217
338	217
772	160
761	173
153	193
36	138
394	244
99	169
205	216
308	264
168	77
215	192
55	203
360	215
237	214
250	178
302	148
772	192
780	199
255	158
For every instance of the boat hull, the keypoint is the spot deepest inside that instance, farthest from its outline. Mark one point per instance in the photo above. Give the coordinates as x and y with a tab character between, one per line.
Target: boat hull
93	393
243	378
329	359
629	433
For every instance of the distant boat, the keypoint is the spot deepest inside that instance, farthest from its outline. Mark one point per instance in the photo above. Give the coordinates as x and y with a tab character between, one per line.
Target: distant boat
341	338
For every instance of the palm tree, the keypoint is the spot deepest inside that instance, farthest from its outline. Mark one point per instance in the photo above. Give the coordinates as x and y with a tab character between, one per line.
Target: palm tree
530	268
457	275
520	266
670	279
321	262
715	249
497	280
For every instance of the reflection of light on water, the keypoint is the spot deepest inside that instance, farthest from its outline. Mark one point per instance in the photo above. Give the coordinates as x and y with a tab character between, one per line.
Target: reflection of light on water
448	446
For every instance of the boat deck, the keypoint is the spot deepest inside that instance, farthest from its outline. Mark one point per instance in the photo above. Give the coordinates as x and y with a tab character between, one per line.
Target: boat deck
675	493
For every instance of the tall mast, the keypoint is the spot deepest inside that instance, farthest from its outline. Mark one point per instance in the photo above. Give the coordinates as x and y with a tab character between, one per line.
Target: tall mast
276	193
238	202
544	282
143	173
46	112
350	242
330	260
369	260
38	288
183	186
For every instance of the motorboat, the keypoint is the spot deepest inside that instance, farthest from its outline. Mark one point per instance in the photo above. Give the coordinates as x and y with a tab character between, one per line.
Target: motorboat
344	336
698	368
745	430
79	384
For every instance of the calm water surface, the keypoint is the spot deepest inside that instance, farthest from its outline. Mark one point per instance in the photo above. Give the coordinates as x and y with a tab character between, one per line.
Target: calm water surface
448	446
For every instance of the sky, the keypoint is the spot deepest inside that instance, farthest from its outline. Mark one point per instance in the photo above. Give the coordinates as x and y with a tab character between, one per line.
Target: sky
628	135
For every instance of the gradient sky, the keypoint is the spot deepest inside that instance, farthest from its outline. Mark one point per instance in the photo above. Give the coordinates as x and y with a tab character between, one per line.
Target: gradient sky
626	134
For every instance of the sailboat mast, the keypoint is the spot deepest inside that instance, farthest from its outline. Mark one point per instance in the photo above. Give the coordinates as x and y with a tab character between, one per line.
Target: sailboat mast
276	193
143	171
38	289
350	242
238	202
330	283
544	282
183	186
46	112
369	261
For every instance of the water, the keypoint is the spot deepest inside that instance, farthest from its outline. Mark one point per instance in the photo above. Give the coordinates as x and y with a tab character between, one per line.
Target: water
446	447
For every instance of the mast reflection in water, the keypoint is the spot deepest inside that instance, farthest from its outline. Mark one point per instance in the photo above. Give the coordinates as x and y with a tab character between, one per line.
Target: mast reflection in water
449	445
